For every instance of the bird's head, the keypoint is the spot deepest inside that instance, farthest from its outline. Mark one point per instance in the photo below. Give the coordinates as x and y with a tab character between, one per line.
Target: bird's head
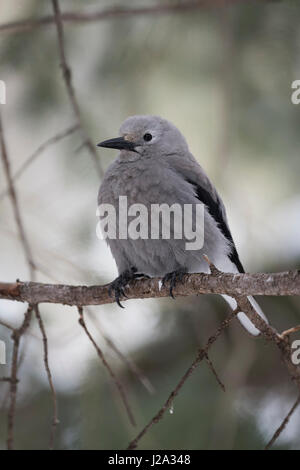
147	136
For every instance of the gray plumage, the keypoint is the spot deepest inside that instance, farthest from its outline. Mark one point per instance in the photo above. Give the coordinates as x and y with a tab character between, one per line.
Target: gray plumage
162	170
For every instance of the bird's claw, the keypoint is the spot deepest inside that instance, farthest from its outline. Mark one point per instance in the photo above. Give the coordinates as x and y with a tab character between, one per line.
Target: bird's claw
116	291
173	278
116	287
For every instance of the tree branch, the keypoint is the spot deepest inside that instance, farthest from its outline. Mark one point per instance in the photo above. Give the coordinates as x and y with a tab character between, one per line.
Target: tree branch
283	283
127	361
67	75
52	140
13	380
202	354
239	286
55	420
113	376
267	331
283	424
114	12
15	204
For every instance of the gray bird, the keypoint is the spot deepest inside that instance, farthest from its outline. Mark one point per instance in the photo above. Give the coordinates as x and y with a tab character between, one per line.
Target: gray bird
155	166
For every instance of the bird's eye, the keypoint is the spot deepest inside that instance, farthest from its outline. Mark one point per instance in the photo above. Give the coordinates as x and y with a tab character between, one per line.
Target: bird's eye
147	137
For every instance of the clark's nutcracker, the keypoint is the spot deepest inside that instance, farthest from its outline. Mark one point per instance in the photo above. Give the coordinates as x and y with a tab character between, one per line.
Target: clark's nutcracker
154	166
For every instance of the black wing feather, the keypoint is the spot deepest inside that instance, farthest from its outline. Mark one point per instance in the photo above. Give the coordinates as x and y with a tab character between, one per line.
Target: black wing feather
214	208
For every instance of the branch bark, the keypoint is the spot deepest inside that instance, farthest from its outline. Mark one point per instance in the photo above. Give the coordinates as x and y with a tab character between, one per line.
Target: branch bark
282	283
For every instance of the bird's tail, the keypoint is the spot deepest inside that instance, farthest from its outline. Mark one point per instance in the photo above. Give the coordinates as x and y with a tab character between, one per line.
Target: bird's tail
247	324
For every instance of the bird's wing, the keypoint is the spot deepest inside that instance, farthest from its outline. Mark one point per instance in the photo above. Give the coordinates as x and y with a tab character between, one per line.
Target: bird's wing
193	173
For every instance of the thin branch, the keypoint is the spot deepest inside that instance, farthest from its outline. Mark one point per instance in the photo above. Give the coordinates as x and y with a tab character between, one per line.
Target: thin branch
271	335
54	139
283	283
283	344
6	397
108	368
283	424
211	366
55	420
7	379
290	331
17	332
6	325
132	366
202	354
16	336
15	204
67	75
115	12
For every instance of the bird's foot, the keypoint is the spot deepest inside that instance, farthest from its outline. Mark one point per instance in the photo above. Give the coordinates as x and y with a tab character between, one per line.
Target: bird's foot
173	278
116	287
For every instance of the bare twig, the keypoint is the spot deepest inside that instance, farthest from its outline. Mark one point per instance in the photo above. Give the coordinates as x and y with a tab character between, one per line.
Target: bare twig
16	333
290	331
108	368
271	335
213	269
115	12
15	203
67	75
7	379
211	366
132	366
202	354
283	424
6	325
55	420
16	336
283	344
6	397
37	152
266	330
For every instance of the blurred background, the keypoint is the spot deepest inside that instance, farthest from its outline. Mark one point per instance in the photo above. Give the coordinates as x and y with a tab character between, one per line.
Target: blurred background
223	76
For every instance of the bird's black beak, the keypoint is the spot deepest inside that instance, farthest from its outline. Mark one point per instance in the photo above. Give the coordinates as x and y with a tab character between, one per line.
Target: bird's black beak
118	143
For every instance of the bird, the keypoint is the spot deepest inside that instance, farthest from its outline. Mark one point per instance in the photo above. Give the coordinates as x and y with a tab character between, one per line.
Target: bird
154	166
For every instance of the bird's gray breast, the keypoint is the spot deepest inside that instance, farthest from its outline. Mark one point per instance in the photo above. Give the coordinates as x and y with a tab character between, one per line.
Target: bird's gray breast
141	182
147	183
